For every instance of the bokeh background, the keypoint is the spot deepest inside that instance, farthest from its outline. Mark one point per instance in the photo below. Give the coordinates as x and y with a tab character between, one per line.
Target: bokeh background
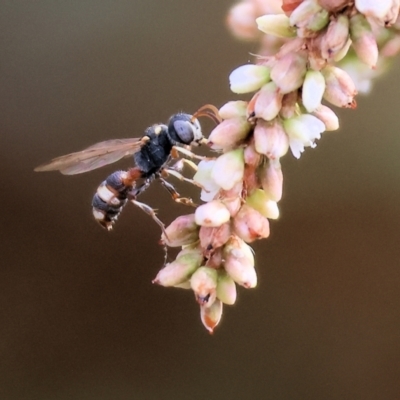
79	317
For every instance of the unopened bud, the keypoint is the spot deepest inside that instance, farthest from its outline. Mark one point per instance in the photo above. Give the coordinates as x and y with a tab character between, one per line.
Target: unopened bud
239	262
392	15
270	139
328	117
263	204
364	42
333	5
288	6
309	17
180	270
268	102
229	133
241	20
250	225
276	25
249	78
212	214
182	231
203	177
271	178
183	285
232	198
289	71
340	89
304	127
342	53
213	238
335	38
228	169
313	90
204	284
233	109
391	48
251	156
373	8
226	288
210	316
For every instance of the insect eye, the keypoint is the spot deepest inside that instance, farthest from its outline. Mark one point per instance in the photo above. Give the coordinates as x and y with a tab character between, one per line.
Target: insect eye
184	131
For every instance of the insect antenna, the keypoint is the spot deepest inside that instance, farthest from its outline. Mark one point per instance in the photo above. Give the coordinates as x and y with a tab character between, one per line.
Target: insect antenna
208	110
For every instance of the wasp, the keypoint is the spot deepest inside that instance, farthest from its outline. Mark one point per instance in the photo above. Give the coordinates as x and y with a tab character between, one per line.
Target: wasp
152	154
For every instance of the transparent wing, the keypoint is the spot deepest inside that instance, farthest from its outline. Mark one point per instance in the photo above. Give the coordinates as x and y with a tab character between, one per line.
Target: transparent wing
93	157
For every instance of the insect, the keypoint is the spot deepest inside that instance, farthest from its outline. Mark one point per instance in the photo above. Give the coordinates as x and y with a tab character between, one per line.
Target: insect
152	154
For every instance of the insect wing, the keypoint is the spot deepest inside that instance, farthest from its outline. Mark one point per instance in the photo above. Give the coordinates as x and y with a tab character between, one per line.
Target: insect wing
93	157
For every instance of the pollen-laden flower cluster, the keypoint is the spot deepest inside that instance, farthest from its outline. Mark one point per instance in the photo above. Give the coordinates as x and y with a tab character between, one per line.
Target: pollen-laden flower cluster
305	47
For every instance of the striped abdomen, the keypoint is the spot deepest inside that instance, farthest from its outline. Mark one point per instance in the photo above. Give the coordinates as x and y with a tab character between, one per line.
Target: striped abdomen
111	196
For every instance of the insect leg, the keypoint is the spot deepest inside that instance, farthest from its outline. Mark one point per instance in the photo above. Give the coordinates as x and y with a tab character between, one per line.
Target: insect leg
151	212
177	174
140	189
175	195
178	166
185	151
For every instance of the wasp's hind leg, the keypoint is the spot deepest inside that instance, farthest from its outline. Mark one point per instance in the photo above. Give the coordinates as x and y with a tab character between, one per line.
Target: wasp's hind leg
133	194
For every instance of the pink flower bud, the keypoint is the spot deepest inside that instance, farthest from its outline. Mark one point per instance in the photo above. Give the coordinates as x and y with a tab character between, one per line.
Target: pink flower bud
289	71
342	53
393	14
328	117
271	178
340	89
391	48
210	316
229	133
304	127
276	25
263	204
268	102
226	288
250	225
228	169
364	42
373	8
181	232
248	78
251	157
288	6
233	109
180	270
204	284
232	198
309	17
239	262
334	5
335	37
183	285
203	177
241	20
212	214
313	90
213	238
270	139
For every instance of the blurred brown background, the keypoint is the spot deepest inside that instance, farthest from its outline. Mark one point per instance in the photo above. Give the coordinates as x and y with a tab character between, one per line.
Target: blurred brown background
80	318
